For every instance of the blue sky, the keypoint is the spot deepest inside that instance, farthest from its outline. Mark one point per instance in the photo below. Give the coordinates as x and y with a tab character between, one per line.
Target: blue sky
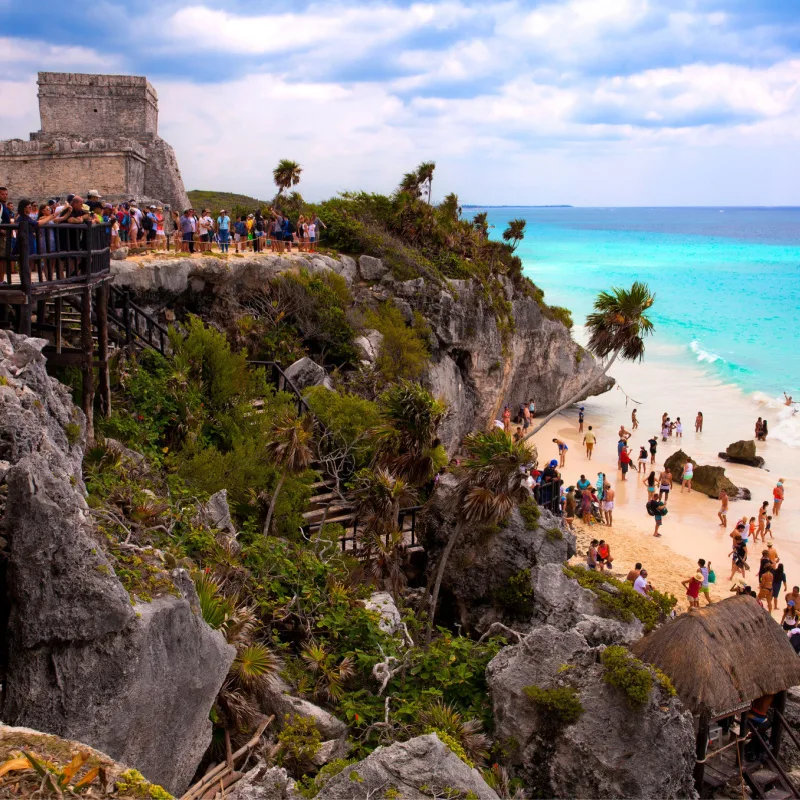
590	102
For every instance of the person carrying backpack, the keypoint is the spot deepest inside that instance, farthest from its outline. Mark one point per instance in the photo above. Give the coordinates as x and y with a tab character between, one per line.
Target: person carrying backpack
658	509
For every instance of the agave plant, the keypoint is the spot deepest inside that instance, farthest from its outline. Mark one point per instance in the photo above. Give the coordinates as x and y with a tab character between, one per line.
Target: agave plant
467	732
329	677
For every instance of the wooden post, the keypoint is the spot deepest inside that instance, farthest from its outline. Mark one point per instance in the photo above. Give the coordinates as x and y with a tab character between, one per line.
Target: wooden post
102	345
701	748
776	733
59	305
41	312
87	368
24	275
742	736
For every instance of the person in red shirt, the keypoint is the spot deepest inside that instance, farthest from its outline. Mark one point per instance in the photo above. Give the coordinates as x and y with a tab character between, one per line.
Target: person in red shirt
625	462
693	585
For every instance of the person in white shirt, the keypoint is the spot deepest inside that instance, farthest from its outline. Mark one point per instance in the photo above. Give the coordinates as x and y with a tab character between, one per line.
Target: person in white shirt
205	225
640	584
312	236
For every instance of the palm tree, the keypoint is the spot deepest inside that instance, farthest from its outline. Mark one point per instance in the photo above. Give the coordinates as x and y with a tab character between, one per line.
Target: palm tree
489	486
410	185
515	232
480	222
290	448
450	209
425	175
286	174
407	442
617	328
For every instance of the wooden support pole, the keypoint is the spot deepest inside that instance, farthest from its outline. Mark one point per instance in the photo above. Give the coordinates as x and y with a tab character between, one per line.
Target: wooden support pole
58	304
102	345
23	246
779	705
87	370
41	311
701	748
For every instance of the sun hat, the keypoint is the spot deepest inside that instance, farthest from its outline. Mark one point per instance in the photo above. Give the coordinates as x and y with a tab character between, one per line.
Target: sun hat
698	576
93	193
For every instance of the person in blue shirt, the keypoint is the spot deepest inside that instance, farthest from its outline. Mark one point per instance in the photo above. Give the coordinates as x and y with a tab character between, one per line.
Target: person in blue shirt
223	230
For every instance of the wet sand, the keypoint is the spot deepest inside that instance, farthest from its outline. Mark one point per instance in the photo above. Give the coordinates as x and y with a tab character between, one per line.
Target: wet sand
691	530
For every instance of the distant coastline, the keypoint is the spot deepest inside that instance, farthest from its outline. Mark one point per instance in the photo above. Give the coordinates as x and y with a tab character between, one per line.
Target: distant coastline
468	205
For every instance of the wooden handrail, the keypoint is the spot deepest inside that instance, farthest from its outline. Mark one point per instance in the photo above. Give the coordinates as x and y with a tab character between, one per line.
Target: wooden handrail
771	758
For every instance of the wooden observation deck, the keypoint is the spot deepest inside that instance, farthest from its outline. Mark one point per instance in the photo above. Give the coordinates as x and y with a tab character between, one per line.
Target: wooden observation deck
55	285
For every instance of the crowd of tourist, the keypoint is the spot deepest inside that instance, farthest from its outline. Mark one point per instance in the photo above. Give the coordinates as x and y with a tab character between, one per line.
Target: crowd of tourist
153	226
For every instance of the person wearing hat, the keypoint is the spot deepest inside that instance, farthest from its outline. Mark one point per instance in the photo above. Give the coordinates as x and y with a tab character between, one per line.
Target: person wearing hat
777	498
789	618
161	236
93	194
693	585
223	230
205	227
580	420
188	226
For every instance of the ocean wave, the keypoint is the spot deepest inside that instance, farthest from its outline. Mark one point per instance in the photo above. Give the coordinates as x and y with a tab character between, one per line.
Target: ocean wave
705	356
786	423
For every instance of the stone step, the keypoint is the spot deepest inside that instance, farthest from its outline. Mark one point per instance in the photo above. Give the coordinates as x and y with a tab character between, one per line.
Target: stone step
764	778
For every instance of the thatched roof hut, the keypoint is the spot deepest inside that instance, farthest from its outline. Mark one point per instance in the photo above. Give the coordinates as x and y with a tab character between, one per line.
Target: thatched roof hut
723	655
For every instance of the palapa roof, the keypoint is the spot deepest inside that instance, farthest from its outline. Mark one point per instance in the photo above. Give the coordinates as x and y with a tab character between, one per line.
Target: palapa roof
723	655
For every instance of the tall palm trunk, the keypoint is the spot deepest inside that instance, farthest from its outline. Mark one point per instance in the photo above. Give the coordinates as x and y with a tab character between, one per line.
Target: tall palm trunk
439	574
582	391
271	510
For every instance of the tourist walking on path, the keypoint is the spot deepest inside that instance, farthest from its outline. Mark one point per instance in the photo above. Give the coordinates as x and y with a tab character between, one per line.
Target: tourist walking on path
705	570
723	508
698	422
188	226
562	451
665	485
688	474
589	440
777	497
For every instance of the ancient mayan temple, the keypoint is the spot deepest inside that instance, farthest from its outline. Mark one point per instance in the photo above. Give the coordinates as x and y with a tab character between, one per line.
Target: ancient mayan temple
98	132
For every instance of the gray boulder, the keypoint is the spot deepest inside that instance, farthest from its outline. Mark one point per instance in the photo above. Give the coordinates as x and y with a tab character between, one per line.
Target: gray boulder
264	783
707	479
491	570
120	254
135	681
742	452
383	604
305	373
348	269
371	269
216	513
418	769
612	750
369	345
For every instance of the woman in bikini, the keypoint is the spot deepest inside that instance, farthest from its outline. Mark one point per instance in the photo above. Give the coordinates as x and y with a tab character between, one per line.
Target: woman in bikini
762	522
698	422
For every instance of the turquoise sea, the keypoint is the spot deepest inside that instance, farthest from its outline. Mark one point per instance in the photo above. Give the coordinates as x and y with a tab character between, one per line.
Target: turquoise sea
727	280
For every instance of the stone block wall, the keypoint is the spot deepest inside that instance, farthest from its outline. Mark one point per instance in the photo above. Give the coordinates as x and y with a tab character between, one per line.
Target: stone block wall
97	105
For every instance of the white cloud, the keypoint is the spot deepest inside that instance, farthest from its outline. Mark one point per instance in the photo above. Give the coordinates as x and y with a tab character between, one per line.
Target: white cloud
46	56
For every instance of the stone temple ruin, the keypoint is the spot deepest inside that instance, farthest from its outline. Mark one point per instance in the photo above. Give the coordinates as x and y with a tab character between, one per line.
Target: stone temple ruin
98	132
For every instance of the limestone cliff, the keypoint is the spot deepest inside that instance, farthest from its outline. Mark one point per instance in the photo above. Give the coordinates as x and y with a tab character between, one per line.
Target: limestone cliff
81	659
478	362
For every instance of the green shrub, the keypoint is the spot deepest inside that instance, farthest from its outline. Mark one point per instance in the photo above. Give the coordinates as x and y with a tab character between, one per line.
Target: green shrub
517	595
554	534
531	513
453	744
561	314
403	351
631	676
310	786
561	704
73	432
298	743
627	603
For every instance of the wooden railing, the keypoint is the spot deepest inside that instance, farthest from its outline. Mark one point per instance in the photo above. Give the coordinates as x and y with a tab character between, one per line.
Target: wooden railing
135	323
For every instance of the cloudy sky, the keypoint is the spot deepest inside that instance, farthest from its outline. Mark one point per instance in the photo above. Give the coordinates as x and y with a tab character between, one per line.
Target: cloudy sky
589	102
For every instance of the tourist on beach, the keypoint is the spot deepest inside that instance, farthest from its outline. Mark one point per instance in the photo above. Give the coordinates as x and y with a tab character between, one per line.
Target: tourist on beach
642	459
793	596
634	573
526	417
678	429
758	429
688	474
625	462
591	555
620	447
507	420
623	434
653	447
765	563
608	504
723	508
773	553
698	422
580	420
587	513
641	585
764	430
665	485
569	507
787	399
601	483
765	588
562	451
762	522
777	497
768	529
518	435
778	584
583	484
666	430
589	440
650	483
532	407
705	571
738	556
789	618
634	421
658	509
692	586
604	558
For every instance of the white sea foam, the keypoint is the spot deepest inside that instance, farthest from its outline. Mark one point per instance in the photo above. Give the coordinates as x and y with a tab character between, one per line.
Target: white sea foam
786	421
705	356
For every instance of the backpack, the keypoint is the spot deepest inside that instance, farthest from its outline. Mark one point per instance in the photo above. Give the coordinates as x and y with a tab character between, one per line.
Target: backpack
147	223
651	507
126	221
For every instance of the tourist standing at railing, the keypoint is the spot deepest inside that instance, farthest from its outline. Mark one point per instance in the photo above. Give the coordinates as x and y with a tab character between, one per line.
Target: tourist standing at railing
205	228
188	226
223	230
161	236
136	216
6	217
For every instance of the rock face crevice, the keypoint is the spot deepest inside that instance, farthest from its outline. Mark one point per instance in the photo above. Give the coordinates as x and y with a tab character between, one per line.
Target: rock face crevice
477	362
135	681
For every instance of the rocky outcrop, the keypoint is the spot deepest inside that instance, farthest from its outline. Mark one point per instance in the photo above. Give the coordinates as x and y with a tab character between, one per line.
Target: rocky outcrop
478	362
491	573
382	604
136	681
418	769
612	750
742	452
306	373
706	479
113	779
264	783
